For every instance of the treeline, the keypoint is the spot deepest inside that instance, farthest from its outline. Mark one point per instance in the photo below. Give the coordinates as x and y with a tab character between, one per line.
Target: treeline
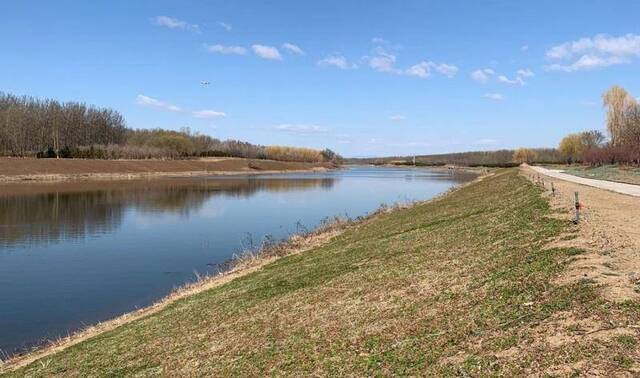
623	127
499	158
49	129
29	125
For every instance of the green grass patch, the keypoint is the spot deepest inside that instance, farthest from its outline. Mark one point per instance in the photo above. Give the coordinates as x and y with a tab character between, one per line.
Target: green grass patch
437	289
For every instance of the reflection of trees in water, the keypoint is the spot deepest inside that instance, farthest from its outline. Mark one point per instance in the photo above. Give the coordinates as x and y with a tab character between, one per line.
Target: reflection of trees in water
59	215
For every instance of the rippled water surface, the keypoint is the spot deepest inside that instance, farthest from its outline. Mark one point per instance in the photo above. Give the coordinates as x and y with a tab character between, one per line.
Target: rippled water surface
73	254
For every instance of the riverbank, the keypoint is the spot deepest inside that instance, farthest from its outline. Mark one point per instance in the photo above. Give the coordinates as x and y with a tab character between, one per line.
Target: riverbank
466	284
29	169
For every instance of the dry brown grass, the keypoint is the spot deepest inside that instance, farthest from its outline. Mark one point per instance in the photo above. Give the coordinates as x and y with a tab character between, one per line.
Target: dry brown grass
27	169
463	285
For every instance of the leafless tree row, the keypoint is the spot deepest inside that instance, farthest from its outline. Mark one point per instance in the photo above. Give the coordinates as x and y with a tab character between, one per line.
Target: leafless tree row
29	126
499	158
48	128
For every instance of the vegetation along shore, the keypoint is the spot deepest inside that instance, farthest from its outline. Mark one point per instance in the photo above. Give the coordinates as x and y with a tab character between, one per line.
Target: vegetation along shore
472	283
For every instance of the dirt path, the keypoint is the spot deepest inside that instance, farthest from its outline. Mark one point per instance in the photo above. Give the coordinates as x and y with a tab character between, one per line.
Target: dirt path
27	169
609	231
618	187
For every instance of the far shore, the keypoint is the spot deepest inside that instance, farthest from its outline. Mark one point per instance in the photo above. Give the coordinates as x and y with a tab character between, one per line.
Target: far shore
48	170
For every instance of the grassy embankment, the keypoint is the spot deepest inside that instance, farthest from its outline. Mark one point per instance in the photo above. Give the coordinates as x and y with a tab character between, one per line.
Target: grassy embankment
462	285
618	173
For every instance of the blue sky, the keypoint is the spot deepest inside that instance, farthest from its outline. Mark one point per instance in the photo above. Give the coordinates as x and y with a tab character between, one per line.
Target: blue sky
364	78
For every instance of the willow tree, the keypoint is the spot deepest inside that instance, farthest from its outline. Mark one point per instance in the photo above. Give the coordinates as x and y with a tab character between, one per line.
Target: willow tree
524	155
617	101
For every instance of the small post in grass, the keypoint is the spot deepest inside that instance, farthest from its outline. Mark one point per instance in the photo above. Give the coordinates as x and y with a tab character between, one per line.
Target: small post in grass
577	204
553	190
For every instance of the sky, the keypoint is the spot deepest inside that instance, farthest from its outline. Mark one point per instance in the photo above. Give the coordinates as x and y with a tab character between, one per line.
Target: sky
364	78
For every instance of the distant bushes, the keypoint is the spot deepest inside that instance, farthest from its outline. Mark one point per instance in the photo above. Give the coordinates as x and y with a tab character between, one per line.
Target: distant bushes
165	144
49	129
293	154
626	154
498	159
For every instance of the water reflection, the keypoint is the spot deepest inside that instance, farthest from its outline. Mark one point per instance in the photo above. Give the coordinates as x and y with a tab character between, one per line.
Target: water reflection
47	213
90	251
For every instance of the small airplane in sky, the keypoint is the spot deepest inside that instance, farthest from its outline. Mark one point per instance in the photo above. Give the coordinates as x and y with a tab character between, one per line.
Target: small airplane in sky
205	82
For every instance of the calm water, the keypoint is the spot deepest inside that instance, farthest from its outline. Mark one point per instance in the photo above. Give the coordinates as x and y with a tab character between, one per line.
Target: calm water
73	254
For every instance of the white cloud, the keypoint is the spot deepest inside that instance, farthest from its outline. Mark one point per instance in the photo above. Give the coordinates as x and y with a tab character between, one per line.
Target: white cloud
225	26
493	96
421	70
379	40
525	72
151	102
397	117
337	61
292	48
208	114
383	61
595	52
266	52
221	49
482	75
174	23
447	70
301	128
524	47
516	81
155	103
588	62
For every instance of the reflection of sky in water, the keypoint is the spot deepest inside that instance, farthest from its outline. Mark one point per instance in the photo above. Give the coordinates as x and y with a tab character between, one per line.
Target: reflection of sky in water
91	255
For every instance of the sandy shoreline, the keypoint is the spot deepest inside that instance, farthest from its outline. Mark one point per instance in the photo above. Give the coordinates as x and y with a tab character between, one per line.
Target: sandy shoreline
52	170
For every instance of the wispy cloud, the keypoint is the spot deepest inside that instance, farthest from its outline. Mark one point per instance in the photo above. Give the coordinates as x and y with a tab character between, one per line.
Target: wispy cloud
515	81
482	75
594	52
448	70
379	41
225	26
493	96
337	61
421	70
383	61
221	49
524	48
151	102
525	72
154	103
174	23
266	52
293	48
208	114
301	128
397	117
485	142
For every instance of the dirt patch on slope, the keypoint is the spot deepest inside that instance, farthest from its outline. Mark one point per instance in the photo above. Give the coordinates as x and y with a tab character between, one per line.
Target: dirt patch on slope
609	231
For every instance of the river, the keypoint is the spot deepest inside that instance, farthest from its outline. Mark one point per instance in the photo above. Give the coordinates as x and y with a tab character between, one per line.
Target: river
77	253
